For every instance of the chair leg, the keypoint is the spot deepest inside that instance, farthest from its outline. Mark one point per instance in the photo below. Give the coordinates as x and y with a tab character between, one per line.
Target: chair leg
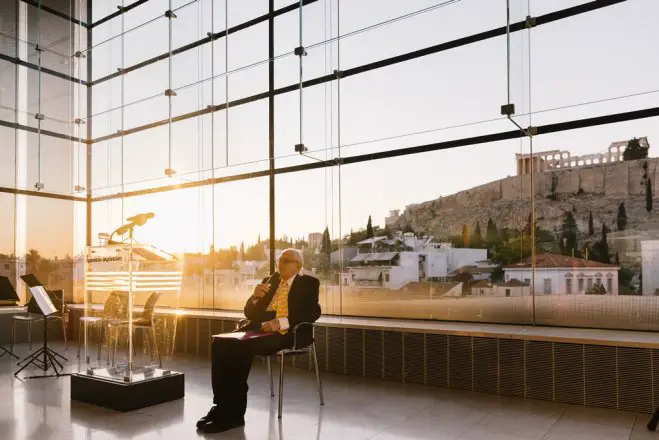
100	342
315	366
281	385
80	330
29	335
272	385
13	335
66	342
155	346
116	340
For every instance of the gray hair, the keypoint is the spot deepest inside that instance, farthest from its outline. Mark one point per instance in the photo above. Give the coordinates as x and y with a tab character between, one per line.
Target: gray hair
298	255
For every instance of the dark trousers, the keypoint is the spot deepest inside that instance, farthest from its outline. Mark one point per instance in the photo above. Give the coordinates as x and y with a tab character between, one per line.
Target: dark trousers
231	362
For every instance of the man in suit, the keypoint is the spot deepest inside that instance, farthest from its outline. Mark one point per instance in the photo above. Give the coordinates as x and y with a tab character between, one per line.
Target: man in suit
277	305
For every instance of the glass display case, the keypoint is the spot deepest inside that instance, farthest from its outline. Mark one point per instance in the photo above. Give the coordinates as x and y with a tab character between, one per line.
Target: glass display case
128	327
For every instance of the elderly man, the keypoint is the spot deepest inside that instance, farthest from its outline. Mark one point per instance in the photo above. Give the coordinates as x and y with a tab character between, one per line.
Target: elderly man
278	304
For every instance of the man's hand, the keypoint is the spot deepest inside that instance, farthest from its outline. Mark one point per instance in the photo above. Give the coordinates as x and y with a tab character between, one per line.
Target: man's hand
270	326
259	291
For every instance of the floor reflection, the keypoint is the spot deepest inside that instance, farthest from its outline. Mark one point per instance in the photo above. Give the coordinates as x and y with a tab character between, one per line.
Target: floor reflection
355	409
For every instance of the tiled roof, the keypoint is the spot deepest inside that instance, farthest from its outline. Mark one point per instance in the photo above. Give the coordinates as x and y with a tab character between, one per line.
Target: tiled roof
549	261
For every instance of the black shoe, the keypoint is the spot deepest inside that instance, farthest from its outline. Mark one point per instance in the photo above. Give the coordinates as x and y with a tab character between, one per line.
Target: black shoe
208	417
219	424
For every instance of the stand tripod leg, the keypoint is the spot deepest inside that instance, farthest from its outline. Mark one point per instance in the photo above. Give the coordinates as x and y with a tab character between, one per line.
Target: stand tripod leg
4	351
652	424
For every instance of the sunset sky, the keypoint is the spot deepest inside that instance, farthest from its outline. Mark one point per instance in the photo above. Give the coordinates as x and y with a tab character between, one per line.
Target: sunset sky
571	63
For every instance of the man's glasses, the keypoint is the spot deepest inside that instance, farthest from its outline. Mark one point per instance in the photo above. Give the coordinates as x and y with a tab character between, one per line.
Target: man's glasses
284	261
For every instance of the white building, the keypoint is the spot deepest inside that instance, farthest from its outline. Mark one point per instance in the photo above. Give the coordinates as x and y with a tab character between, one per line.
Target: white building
511	288
558	274
650	266
315	240
393	217
393	263
10	267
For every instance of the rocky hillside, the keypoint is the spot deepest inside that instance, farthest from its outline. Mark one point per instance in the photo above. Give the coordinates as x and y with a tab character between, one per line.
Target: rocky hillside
598	189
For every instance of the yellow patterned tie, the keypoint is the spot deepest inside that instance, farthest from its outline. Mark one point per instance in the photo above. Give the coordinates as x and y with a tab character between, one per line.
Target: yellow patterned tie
281	302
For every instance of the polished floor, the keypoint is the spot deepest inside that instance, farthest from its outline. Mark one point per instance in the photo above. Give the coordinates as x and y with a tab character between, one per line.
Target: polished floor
355	409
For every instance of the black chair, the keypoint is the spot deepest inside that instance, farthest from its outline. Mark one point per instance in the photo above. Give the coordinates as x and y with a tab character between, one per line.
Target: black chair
33	314
114	309
146	322
294	351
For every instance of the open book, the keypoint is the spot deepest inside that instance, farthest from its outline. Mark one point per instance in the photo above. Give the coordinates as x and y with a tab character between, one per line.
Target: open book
242	335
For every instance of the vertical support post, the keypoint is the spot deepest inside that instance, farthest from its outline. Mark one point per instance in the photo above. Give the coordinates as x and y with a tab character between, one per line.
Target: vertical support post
88	180
20	165
271	126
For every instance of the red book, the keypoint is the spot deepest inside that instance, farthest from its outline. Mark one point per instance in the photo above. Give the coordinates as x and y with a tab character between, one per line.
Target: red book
242	335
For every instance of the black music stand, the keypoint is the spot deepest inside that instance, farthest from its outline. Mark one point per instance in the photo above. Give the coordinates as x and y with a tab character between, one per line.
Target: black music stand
48	356
7	293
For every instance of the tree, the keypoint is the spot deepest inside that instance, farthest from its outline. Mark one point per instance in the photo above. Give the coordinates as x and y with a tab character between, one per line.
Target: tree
326	245
242	250
554	184
569	231
476	239
529	225
591	227
600	251
465	236
491	234
255	253
634	151
621	219
369	228
617	260
648	195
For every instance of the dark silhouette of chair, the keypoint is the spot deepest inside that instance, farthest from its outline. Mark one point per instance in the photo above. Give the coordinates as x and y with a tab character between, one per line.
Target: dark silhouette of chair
294	351
114	309
33	314
146	323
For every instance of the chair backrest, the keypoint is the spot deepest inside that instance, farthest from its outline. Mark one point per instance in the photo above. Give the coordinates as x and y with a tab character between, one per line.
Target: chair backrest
150	305
116	306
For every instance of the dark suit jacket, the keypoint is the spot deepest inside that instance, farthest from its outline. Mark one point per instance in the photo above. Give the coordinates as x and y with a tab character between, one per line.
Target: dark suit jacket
302	306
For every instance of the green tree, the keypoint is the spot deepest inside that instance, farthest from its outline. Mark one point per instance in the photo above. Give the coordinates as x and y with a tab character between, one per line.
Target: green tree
465	236
648	195
326	245
491	233
255	253
621	219
591	227
476	238
554	184
634	151
369	228
600	251
242	250
569	232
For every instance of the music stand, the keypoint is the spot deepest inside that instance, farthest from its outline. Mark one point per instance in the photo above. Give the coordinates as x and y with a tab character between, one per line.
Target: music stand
49	357
7	293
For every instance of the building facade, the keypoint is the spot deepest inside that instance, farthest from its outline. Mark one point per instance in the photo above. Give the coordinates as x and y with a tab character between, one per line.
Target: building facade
558	274
650	267
392	263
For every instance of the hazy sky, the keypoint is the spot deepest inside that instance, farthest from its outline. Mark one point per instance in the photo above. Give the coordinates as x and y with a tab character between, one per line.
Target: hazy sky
600	55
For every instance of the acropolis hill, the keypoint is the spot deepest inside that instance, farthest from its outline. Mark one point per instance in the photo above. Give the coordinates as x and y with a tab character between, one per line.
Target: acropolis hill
593	183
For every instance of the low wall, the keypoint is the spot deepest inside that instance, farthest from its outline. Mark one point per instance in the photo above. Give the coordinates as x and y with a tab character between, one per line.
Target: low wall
610	369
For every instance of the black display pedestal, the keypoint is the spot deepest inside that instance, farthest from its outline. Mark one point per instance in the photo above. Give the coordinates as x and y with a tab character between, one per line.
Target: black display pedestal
124	396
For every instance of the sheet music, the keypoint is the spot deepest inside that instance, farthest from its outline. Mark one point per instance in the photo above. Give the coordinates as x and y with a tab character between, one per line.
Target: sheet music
43	300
